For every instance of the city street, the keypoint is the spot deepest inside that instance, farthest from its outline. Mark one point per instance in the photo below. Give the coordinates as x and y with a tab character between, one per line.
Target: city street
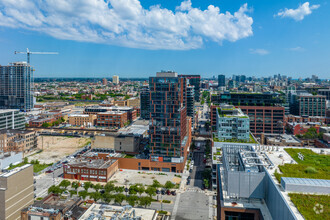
45	180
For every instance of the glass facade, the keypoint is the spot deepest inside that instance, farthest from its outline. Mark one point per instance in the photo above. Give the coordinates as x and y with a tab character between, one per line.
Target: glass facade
16	86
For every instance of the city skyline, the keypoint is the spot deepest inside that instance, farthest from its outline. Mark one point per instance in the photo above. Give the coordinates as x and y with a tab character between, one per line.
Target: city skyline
206	38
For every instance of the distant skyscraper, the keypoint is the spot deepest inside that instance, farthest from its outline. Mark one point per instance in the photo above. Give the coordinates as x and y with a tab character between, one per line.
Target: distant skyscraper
115	79
145	102
221	80
16	85
104	81
168	116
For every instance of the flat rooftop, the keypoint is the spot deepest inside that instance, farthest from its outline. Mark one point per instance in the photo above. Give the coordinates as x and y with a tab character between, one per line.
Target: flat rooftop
108	212
13	171
90	163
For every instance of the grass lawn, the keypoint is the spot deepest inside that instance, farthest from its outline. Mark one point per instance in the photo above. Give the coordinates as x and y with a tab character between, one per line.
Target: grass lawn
314	166
36	167
305	203
129	156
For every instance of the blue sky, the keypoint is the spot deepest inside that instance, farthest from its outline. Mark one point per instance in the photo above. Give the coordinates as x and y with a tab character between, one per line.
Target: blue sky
132	38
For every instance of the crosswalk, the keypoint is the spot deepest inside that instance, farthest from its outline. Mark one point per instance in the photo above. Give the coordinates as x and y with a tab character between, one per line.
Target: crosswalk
194	190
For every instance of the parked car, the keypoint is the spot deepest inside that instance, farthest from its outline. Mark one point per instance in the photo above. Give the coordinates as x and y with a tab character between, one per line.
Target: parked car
168	192
49	171
173	193
157	191
163	191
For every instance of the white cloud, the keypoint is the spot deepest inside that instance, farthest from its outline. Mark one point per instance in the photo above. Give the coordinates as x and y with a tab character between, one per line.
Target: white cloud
126	23
299	13
259	51
297	49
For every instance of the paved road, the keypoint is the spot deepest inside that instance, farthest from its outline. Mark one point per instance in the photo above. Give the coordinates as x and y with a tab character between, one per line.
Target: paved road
194	203
45	180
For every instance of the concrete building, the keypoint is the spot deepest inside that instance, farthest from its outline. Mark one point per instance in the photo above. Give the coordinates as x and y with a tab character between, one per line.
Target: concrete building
115	79
16	191
308	105
82	120
94	110
280	140
133	102
18	140
104	81
194	80
11	119
87	168
16	86
232	123
118	212
115	119
10	158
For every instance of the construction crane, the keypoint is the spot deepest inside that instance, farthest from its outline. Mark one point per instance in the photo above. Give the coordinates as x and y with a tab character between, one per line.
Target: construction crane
28	52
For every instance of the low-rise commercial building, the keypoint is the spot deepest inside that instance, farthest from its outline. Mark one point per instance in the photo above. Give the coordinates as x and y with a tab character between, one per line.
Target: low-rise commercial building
37	123
11	119
16	191
82	120
308	105
280	140
84	168
18	140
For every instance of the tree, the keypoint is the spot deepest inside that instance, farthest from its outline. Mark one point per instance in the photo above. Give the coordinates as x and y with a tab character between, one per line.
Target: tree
132	200
75	185
72	192
83	194
97	187
133	190
156	184
140	189
65	184
151	191
127	97
169	185
87	185
45	125
95	195
55	189
109	187
145	201
26	160
119	189
119	198
107	197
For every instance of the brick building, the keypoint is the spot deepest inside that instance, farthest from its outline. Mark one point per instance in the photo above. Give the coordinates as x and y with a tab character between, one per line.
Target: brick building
85	168
82	120
112	119
18	140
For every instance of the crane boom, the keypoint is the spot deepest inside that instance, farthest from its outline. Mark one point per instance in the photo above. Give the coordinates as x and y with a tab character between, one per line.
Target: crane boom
28	52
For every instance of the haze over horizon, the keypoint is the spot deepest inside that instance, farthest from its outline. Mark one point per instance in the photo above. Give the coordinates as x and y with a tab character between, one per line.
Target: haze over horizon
133	38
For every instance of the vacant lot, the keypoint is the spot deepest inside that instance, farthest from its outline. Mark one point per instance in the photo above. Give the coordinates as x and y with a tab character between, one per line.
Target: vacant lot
314	166
57	147
144	177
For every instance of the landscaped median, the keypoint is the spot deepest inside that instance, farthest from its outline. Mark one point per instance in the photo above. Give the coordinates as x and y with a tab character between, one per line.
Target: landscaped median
313	165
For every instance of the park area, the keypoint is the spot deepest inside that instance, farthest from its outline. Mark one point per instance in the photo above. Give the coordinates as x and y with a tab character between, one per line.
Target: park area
312	206
54	148
311	165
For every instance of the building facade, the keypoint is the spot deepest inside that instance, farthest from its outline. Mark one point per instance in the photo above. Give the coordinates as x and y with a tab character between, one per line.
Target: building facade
82	120
16	191
112	119
145	102
308	105
115	79
194	80
232	124
11	119
16	86
168	115
18	140
221	80
191	103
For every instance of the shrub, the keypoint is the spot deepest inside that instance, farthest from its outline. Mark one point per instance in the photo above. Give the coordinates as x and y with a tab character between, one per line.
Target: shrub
166	201
310	170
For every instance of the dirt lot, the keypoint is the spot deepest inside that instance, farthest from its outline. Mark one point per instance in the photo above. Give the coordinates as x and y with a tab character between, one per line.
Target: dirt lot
57	147
144	177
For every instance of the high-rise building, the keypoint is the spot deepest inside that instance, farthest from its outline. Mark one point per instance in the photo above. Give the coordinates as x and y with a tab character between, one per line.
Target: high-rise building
190	102
16	191
145	102
308	105
115	79
11	119
16	85
232	123
104	81
168	116
194	80
221	80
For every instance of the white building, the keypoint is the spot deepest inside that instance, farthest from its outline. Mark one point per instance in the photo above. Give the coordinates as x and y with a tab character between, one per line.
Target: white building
115	79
